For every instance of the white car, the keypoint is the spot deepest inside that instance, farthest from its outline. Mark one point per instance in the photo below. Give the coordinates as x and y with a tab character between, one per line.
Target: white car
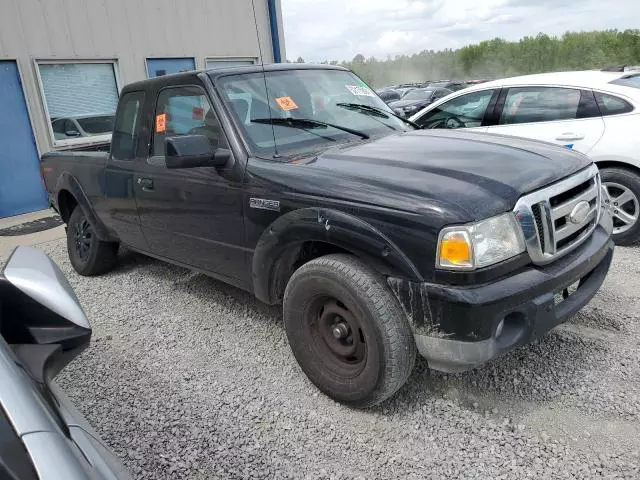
593	112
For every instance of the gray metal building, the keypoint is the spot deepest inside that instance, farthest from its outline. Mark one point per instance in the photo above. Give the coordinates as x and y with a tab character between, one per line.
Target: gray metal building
63	63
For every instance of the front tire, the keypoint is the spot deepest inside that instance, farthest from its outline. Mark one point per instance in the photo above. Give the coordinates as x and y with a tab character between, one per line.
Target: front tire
623	187
347	331
87	253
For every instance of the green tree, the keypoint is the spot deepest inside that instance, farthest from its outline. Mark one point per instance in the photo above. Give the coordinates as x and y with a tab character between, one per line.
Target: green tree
498	58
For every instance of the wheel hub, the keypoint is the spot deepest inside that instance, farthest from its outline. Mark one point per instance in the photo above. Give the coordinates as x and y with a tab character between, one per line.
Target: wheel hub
82	236
623	205
340	330
339	337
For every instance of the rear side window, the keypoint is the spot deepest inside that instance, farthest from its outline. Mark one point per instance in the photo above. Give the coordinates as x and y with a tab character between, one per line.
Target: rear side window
126	131
540	104
612	105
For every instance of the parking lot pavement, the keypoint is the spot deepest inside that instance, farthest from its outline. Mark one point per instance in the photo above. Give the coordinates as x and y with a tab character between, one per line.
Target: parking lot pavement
189	378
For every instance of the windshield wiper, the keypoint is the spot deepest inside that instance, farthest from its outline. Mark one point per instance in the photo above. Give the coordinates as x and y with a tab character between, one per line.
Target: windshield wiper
368	108
307	123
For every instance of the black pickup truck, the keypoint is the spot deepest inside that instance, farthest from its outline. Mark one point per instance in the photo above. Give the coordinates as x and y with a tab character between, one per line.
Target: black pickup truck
297	183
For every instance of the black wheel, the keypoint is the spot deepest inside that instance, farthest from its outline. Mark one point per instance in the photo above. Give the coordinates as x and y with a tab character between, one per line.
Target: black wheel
347	331
623	187
87	253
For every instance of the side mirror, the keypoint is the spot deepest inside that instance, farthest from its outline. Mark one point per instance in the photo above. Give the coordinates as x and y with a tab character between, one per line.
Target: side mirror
42	319
190	151
72	133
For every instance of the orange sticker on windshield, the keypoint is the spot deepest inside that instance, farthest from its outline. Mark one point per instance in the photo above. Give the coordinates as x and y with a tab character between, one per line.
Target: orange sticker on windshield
286	103
161	123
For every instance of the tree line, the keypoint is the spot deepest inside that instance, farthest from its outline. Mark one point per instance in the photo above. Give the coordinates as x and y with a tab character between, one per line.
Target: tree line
499	58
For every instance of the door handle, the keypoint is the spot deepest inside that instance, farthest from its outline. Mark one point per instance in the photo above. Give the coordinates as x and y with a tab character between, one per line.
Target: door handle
569	136
146	184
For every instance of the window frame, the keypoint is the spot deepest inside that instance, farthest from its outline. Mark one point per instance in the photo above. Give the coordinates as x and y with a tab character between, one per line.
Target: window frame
159	160
254	60
72	142
146	64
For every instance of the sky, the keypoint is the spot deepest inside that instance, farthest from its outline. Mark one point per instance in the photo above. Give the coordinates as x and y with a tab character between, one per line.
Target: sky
318	30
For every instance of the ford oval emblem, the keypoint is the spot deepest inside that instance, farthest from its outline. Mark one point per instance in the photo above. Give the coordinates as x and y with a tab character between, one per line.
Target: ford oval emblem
579	212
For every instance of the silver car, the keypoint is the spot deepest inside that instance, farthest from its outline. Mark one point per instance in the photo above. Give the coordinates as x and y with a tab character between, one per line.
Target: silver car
42	435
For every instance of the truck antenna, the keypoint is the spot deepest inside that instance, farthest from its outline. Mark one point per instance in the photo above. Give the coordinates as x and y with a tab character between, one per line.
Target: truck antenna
264	76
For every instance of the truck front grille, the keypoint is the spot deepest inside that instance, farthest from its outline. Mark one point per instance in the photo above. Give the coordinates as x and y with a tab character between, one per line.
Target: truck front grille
558	218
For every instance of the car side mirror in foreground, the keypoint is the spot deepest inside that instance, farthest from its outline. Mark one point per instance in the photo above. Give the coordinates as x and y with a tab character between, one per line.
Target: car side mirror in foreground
190	151
40	316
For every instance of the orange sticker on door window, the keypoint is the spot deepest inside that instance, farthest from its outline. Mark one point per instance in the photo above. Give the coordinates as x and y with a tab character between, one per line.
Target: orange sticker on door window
161	123
197	113
286	103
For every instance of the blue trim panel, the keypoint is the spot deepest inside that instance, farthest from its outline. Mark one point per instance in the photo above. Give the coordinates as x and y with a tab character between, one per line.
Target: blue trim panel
275	36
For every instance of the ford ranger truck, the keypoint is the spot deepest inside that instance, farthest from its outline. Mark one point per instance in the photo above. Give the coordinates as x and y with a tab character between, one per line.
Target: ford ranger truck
382	241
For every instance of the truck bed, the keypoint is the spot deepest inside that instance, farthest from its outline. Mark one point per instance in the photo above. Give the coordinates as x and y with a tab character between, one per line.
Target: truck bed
87	167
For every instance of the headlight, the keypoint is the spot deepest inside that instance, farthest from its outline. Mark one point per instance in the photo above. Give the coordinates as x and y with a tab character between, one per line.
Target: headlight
477	245
410	108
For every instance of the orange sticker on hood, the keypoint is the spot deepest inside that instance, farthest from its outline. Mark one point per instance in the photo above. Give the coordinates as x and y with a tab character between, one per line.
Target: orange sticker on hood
286	103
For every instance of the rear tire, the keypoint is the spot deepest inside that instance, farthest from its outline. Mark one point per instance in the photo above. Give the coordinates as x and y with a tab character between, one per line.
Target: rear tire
619	182
87	253
347	330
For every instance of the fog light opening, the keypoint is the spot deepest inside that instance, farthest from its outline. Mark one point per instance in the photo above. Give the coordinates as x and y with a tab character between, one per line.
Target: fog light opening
499	328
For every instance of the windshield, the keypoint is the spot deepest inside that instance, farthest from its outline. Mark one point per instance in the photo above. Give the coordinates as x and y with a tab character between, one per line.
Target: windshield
418	95
629	80
328	97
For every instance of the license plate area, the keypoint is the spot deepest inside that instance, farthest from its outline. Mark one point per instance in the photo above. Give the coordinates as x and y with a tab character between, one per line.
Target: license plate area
561	295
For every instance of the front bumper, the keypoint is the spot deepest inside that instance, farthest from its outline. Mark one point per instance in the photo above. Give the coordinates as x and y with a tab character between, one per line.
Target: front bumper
456	327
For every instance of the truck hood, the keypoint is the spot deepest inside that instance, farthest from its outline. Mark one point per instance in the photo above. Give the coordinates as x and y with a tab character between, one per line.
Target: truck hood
459	175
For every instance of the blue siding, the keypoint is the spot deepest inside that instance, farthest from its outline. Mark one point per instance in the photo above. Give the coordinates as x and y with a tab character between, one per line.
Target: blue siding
165	66
21	188
273	25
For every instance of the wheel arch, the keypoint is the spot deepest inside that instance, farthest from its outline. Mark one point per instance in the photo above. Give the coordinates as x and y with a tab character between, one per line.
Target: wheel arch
302	235
618	164
71	194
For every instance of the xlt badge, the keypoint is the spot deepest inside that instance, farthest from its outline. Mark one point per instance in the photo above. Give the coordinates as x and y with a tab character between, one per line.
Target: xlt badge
264	204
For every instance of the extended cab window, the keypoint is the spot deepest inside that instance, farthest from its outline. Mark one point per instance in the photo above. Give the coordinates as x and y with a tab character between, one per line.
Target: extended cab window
465	111
612	105
184	111
540	104
127	127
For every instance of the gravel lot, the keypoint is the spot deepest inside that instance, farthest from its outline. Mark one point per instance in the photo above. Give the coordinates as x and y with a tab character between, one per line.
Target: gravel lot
189	378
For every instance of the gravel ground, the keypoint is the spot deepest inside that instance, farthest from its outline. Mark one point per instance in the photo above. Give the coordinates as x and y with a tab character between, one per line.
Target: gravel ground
189	378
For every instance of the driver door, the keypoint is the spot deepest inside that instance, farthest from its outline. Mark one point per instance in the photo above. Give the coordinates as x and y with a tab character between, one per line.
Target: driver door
464	111
191	215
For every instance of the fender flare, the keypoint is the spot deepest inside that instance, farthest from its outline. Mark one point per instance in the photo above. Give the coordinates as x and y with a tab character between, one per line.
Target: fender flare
68	182
284	237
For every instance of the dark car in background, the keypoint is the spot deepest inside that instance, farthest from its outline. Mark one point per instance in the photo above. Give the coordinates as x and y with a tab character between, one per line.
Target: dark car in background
416	99
82	126
452	85
389	95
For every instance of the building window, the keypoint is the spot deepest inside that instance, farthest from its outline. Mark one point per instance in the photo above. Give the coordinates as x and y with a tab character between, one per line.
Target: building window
157	67
228	62
80	100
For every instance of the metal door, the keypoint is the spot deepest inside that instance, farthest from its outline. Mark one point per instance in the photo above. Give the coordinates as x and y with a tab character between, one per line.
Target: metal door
21	188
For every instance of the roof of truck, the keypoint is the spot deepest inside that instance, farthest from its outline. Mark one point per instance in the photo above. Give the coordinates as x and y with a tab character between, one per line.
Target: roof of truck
222	71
